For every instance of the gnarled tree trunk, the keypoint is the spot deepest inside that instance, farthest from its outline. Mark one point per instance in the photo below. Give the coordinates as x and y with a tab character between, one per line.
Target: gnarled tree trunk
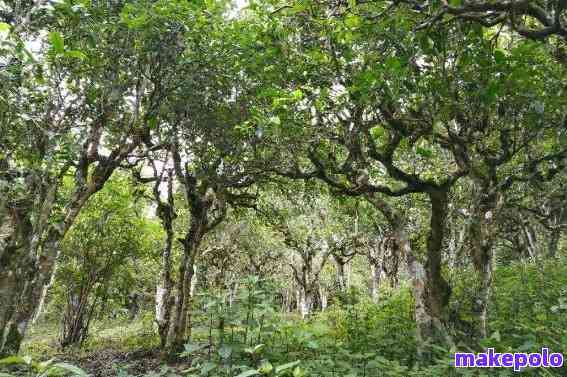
437	288
180	321
430	291
482	235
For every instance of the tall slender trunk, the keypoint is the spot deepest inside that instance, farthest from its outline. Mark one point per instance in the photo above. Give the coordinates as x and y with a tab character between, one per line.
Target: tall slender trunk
341	275
180	321
482	238
163	290
194	280
558	220
323	296
423	319
176	332
166	212
531	241
305	301
16	230
376	274
233	293
553	243
437	288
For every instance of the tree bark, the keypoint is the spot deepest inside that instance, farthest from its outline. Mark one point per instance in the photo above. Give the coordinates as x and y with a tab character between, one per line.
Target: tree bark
323	296
305	302
553	243
163	290
180	320
428	308
341	275
437	288
375	272
482	235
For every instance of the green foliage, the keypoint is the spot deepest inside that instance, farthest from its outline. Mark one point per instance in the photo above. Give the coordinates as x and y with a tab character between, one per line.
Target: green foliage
40	369
429	129
103	257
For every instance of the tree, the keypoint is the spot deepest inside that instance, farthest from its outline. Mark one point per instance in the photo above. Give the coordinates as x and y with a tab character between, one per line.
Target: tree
88	105
97	257
377	111
205	146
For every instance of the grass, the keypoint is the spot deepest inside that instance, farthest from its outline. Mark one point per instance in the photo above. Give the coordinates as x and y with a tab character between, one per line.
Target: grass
118	334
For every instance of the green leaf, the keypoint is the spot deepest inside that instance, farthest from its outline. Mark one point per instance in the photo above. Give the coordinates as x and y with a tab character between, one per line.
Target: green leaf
352	21
57	41
75	54
152	123
14	360
191	348
225	352
393	63
266	368
275	120
298	372
496	336
248	373
281	368
297	94
255	350
299	6
499	57
492	91
74	370
424	152
207	367
312	345
4	30
45	364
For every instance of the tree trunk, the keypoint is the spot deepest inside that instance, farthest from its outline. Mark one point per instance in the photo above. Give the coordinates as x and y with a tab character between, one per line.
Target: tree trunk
74	324
423	319
323	296
163	290
194	281
306	302
375	271
38	265
166	213
180	321
531	241
14	264
437	289
427	307
482	238
341	275
24	297
20	259
553	244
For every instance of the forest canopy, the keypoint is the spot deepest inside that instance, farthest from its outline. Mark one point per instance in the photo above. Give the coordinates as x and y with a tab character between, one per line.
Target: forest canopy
281	188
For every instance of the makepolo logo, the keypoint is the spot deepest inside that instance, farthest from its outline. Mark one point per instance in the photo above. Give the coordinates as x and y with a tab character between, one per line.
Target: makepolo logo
491	359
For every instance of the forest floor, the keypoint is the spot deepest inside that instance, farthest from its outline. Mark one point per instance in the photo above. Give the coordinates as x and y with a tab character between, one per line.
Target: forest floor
114	347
